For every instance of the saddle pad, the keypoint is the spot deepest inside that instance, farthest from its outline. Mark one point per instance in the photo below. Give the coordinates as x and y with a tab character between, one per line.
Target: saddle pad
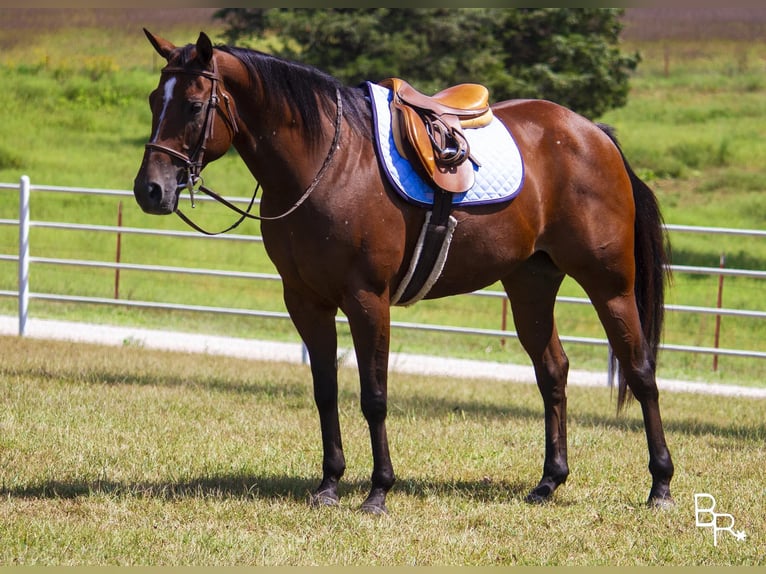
499	178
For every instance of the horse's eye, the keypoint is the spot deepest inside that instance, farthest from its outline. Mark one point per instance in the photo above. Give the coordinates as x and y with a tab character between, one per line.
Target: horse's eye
196	107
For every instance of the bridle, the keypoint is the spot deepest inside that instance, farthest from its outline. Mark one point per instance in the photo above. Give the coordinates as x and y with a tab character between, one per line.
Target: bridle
194	161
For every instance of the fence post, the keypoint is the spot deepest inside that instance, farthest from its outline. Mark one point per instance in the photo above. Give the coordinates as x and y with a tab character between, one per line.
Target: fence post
504	319
719	304
23	253
118	254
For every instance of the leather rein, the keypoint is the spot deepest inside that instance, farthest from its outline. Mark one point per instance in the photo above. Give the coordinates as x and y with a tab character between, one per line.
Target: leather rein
193	161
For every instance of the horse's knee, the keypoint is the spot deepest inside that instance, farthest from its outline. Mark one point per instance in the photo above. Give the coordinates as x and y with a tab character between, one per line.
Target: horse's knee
325	380
325	398
552	378
374	406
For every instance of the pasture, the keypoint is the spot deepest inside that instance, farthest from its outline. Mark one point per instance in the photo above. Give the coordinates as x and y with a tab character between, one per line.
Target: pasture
695	134
129	456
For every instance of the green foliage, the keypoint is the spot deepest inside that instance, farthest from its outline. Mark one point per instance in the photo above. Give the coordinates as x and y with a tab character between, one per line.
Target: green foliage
570	56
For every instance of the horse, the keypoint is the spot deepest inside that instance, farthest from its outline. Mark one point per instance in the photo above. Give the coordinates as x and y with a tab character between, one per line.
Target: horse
341	237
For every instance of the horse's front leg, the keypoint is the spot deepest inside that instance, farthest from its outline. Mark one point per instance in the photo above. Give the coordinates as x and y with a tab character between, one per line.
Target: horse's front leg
316	325
369	319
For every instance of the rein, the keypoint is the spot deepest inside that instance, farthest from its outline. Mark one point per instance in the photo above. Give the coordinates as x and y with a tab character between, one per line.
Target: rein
194	162
245	214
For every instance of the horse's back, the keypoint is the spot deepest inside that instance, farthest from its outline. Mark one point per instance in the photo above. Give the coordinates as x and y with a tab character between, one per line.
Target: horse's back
548	133
572	168
576	204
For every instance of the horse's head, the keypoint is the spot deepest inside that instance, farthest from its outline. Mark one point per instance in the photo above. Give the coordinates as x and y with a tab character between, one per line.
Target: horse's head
193	123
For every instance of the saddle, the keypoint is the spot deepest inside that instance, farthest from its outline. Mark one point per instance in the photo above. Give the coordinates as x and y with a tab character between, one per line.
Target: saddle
428	130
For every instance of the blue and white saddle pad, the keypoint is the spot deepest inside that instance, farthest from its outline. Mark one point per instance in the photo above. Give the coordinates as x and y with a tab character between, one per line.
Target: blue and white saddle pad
499	178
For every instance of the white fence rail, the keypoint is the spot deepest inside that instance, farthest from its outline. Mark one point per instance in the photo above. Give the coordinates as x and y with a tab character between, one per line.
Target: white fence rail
24	259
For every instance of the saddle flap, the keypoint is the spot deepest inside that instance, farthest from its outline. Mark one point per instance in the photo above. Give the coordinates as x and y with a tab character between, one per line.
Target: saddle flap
411	130
455	179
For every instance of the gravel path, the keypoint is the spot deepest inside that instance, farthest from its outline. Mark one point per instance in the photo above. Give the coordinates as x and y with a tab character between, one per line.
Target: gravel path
292	352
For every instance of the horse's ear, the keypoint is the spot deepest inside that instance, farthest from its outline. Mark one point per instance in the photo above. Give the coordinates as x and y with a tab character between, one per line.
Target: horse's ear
163	47
204	49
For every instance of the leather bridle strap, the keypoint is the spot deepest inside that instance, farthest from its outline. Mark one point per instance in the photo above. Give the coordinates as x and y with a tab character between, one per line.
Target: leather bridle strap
245	214
194	160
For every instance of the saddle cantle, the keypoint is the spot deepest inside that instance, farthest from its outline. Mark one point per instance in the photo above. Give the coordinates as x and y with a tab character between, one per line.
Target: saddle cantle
428	130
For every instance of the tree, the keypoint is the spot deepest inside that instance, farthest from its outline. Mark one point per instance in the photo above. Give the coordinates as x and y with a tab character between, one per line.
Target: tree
568	55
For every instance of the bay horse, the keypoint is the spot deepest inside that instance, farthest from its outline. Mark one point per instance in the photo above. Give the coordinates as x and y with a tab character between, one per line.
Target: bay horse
341	237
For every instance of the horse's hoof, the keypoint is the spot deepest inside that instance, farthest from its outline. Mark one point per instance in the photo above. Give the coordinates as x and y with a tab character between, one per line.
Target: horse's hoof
539	495
661	503
534	498
375	503
374	509
324	498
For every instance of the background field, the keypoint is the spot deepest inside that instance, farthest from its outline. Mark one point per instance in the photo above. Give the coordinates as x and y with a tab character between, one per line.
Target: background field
130	456
75	113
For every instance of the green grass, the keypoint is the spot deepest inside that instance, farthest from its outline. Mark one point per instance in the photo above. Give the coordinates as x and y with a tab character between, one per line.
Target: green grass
79	117
127	456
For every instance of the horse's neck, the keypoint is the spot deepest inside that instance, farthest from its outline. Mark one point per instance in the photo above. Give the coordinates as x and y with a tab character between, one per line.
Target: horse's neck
278	155
272	144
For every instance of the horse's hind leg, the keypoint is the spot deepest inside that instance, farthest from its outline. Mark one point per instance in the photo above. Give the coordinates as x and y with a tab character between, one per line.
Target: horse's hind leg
532	292
619	315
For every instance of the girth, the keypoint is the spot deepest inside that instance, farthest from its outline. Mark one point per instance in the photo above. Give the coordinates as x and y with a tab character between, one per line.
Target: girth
430	252
428	131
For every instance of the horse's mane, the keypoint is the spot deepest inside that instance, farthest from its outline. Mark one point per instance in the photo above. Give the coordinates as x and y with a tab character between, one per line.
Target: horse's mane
298	85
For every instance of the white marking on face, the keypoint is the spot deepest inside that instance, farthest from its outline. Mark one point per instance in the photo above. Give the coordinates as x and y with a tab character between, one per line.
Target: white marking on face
166	97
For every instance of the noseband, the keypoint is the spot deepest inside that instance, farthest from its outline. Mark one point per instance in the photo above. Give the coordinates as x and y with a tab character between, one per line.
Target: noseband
193	161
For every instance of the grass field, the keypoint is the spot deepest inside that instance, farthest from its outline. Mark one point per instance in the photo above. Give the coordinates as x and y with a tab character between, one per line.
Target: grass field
127	456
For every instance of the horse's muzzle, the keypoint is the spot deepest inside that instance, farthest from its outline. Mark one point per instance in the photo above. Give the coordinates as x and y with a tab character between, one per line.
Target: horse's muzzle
156	193
154	197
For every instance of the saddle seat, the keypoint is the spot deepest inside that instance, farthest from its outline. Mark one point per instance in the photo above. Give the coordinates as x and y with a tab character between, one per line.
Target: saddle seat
428	130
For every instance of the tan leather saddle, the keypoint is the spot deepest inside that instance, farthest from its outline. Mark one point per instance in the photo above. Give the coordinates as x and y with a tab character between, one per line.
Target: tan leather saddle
428	130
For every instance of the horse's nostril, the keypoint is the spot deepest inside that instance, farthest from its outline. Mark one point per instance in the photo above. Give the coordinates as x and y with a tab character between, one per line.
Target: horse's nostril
155	192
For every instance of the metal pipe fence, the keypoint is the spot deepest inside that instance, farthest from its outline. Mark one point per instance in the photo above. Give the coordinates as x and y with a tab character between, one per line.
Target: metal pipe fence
24	293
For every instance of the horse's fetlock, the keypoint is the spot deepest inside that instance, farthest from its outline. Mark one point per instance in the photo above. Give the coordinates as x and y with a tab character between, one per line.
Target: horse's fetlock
383	480
557	474
661	467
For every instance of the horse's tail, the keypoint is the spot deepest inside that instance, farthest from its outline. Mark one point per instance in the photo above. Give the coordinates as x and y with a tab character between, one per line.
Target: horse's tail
652	255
